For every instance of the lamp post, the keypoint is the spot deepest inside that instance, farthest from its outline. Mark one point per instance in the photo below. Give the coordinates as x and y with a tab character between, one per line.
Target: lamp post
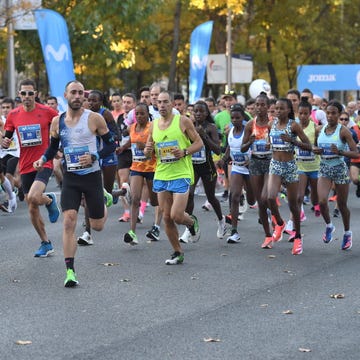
228	51
10	51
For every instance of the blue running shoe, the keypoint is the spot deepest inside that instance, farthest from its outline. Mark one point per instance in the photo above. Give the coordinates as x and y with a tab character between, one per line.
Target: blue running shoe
44	250
53	208
347	241
327	236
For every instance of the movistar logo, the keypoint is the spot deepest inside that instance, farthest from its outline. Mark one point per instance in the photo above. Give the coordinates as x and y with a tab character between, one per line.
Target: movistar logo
58	55
198	63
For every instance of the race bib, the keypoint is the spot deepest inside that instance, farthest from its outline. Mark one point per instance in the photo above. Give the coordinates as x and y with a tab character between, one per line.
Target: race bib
137	154
165	151
30	135
199	157
72	154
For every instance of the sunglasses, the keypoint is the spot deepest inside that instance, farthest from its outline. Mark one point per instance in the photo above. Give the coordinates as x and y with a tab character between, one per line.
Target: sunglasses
344	119
27	93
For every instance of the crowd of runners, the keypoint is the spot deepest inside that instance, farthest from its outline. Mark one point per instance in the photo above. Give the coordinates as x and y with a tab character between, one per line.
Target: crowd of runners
152	148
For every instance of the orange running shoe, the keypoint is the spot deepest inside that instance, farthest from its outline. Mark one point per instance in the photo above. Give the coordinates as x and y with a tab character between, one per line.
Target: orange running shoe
333	198
125	217
267	244
278	232
297	247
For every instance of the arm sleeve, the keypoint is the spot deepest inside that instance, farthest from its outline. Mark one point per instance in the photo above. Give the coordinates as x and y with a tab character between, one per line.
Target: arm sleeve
52	149
109	145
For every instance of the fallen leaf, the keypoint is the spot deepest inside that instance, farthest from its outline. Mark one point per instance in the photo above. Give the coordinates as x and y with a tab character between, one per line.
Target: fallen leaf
304	350
224	255
264	305
211	340
271	256
125	280
23	342
110	264
16	281
287	271
337	296
194	278
288	312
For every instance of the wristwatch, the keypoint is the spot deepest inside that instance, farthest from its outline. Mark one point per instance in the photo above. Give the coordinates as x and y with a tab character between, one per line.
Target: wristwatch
93	158
186	153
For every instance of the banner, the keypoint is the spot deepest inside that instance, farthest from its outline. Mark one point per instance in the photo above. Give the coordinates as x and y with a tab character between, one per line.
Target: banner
321	78
199	50
56	50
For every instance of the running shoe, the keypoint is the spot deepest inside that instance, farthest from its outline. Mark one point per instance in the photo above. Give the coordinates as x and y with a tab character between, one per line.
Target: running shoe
154	233
221	230
297	246
336	213
306	200
185	237
108	198
278	232
53	208
139	219
206	206
44	250
243	205
125	217
289	227
85	239
347	241
302	216
194	230
255	206
234	238
5	207
224	196
267	244
292	235
317	210
176	259
131	238
333	198
115	197
327	236
70	280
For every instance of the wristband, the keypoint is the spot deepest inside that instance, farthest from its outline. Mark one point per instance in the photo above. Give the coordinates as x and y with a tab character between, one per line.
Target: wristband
186	153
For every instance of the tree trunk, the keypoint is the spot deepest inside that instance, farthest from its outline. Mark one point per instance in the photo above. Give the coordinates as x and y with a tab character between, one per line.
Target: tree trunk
175	47
271	69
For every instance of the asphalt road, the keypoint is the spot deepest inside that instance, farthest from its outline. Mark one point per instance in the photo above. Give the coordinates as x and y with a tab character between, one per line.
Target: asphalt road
256	304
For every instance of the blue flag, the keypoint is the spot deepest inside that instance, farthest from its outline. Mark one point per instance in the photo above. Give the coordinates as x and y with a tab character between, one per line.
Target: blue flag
57	54
199	50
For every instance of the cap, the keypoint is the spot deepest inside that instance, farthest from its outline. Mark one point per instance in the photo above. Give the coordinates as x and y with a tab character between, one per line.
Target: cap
229	93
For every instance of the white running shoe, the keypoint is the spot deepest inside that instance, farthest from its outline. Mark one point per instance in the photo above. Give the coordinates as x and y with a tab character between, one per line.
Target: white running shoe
234	238
186	236
85	239
221	230
127	196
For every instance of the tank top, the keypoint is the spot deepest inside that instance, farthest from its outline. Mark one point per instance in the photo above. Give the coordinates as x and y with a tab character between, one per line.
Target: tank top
325	141
139	161
76	141
275	137
239	159
167	166
258	147
306	160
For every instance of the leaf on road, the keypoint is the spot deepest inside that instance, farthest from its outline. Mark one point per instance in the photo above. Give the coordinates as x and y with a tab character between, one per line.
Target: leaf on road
337	296
23	342
288	312
16	281
224	254
271	256
304	350
194	278
110	264
264	305
211	340
125	280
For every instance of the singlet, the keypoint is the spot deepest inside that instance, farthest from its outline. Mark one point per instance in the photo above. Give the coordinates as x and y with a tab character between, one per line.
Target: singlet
167	166
258	147
76	141
139	161
33	131
238	158
13	148
222	119
306	160
325	141
275	137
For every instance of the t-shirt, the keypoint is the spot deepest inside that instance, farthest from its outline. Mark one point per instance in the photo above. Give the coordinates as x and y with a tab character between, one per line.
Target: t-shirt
32	128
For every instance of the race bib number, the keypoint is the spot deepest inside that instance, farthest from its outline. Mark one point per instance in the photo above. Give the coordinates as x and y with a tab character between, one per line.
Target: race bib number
30	135
165	151
72	155
199	157
327	153
137	154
